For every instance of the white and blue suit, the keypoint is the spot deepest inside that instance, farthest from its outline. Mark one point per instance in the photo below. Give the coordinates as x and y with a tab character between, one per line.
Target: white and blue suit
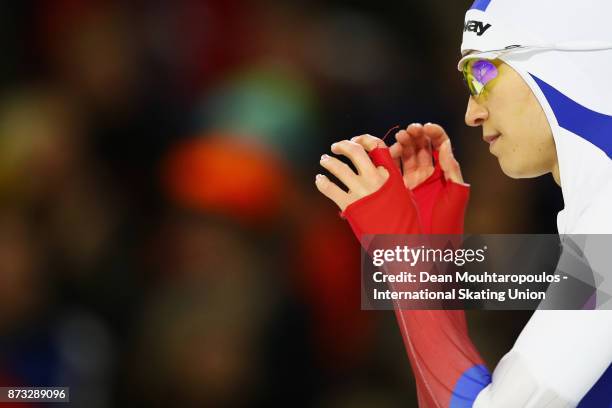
563	51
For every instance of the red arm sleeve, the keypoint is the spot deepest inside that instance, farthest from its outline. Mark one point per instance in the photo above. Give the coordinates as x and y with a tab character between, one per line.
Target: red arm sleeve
448	370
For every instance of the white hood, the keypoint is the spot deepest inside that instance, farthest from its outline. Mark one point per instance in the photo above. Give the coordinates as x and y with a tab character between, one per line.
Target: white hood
566	59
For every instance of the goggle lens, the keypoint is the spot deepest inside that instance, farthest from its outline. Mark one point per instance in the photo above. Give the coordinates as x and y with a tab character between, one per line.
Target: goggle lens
477	73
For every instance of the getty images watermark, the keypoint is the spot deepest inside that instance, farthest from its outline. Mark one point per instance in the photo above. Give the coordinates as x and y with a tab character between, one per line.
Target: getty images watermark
504	272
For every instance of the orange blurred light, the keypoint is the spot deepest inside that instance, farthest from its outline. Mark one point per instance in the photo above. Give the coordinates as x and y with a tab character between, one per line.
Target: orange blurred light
227	176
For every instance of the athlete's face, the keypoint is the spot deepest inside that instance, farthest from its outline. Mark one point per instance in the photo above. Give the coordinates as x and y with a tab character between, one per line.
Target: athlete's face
514	125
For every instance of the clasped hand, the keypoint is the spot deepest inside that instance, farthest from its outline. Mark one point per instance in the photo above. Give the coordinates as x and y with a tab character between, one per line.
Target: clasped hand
413	153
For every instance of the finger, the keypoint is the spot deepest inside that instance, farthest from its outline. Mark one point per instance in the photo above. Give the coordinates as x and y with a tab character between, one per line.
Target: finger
341	170
356	154
332	191
422	146
368	142
448	163
408	152
404	136
436	134
396	150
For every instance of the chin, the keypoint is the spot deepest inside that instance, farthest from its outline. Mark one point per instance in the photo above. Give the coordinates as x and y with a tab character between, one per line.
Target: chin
519	170
511	173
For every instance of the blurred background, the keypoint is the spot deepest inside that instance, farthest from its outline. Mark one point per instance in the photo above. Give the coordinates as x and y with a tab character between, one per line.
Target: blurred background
162	242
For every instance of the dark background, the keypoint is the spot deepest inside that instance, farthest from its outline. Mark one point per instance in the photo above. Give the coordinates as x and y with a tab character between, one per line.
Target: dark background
162	242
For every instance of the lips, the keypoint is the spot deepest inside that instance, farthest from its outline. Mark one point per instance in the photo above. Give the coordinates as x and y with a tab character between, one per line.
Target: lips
491	138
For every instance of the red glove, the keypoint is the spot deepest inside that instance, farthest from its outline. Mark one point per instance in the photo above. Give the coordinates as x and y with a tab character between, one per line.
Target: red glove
389	210
442	203
436	206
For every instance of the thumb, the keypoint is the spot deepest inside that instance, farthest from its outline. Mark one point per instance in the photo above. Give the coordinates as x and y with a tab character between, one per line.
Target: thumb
448	163
383	172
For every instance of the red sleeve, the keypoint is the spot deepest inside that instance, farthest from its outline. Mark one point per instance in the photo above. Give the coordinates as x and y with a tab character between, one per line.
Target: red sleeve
448	370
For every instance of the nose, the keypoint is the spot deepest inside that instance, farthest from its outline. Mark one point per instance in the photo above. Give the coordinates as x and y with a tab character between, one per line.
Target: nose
475	114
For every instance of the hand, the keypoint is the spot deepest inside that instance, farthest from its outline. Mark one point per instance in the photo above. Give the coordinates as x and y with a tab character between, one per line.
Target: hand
369	178
432	173
438	188
414	148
